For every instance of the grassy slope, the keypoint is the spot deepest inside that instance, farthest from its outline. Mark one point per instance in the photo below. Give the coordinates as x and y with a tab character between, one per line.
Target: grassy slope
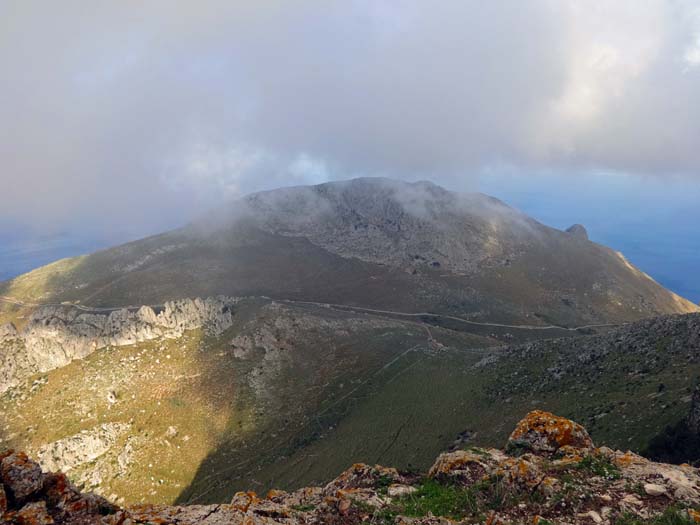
226	427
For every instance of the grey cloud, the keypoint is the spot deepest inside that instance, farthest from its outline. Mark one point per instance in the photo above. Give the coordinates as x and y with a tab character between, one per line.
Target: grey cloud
150	112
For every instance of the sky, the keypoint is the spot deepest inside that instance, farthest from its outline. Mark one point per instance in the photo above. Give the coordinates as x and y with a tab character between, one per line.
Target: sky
122	119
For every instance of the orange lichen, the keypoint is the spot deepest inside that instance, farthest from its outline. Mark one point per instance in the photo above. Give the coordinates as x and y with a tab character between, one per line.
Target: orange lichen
274	493
243	500
554	431
452	461
625	460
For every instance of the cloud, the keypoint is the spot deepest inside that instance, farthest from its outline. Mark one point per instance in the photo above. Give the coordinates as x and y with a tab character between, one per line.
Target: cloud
136	113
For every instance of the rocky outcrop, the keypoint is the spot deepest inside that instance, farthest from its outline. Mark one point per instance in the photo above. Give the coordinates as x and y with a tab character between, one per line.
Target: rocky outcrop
32	497
673	336
579	231
424	224
56	335
544	432
559	478
88	445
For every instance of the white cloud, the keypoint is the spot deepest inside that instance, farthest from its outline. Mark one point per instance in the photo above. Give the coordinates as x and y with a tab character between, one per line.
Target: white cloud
175	106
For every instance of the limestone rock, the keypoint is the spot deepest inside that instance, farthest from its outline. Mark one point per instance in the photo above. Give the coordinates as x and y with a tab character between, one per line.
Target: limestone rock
465	467
654	490
83	447
543	432
55	335
362	476
395	490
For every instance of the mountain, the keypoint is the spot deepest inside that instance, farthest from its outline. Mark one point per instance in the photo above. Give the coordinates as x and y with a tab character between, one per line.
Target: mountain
275	341
376	243
549	472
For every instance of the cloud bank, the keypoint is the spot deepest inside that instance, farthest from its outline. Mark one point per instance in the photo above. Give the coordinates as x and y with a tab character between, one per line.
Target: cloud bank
131	112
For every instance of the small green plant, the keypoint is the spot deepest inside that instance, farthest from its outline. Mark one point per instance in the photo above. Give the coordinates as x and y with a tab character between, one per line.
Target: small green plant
382	484
303	508
670	516
517	448
600	466
450	501
494	493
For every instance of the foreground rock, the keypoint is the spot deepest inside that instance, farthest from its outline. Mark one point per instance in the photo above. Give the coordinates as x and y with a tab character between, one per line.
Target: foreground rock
551	473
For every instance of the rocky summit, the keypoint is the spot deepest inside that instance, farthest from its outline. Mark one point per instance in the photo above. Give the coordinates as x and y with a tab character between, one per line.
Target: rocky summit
550	472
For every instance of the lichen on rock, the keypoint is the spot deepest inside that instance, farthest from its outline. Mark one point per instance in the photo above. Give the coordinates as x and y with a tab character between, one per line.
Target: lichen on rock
560	479
544	433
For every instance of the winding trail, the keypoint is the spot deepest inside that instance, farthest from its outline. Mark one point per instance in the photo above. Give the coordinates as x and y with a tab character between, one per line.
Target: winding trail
443	316
335	306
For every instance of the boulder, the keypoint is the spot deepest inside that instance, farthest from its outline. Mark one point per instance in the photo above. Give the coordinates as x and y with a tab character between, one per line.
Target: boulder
361	476
397	491
465	467
34	514
21	477
654	490
544	433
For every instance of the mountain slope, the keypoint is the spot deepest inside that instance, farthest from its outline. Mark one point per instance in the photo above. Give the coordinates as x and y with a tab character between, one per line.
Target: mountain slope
290	394
367	242
274	380
458	397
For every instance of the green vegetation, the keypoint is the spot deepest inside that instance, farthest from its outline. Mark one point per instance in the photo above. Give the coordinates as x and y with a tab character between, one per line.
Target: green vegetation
453	500
600	466
670	516
430	498
450	501
382	484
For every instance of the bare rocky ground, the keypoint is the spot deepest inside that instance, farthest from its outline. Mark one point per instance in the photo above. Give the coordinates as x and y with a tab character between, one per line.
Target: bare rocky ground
549	473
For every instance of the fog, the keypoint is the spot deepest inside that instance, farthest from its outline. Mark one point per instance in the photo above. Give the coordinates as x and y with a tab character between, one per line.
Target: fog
135	117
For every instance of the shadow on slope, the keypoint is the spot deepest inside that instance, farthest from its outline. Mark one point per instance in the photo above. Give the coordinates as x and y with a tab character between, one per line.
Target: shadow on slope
624	385
327	375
